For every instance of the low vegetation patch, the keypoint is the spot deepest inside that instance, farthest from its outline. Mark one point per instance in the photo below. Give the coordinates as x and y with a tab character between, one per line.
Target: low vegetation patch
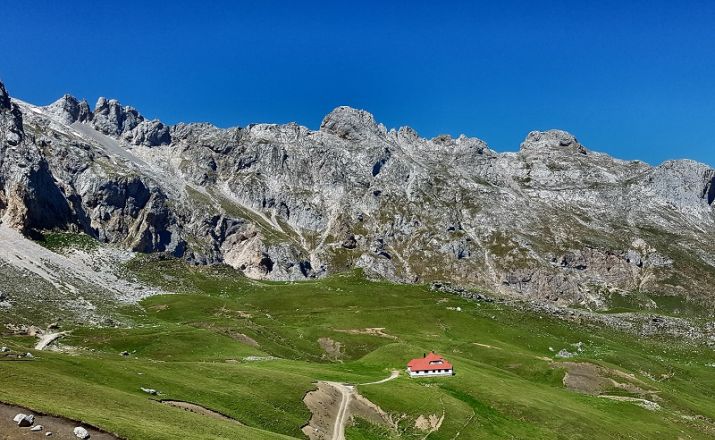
62	241
251	351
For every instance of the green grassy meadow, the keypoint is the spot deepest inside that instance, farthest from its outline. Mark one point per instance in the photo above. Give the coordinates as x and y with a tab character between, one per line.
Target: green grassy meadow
251	350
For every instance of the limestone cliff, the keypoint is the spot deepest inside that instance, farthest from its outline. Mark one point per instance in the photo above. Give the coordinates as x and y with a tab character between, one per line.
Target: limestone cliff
554	221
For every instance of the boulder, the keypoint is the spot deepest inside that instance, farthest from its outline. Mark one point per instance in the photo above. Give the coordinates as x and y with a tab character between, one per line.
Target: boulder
37	428
565	354
80	432
24	421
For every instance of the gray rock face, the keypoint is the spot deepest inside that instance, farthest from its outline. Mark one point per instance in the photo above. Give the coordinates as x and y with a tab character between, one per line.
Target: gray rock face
29	195
351	124
112	119
68	110
554	221
149	133
556	142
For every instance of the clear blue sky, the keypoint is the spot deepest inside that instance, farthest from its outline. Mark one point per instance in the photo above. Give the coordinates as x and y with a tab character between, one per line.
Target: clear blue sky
632	78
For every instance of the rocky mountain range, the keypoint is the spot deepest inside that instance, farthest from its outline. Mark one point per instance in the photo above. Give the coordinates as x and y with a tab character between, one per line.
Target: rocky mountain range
554	221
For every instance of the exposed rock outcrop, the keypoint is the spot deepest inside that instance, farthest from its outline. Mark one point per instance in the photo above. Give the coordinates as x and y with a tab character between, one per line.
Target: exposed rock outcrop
554	221
68	110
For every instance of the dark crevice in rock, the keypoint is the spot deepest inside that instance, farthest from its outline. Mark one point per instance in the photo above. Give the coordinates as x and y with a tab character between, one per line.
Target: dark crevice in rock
305	268
4	97
266	263
377	167
709	191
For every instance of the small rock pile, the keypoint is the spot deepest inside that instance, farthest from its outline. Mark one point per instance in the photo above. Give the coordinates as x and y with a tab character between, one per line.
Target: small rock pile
28	421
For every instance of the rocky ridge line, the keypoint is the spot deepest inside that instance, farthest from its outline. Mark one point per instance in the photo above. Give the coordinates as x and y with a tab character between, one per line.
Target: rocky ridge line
555	221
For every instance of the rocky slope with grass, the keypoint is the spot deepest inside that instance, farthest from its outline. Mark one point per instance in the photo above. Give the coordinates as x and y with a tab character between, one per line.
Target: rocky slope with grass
555	221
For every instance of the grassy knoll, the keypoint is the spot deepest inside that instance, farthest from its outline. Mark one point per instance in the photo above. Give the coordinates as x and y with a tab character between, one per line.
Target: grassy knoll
212	343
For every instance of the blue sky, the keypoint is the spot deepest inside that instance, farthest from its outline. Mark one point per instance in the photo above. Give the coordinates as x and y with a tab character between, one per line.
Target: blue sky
635	79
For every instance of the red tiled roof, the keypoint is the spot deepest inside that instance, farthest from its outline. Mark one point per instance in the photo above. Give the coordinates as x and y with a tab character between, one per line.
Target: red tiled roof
429	362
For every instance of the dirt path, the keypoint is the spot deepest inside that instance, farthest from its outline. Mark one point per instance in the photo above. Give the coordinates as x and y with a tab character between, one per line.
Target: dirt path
341	419
61	428
331	406
48	339
198	409
393	375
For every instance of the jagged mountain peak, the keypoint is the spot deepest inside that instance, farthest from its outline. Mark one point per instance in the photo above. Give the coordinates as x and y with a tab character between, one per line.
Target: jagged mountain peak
68	109
351	124
113	119
406	132
103	102
557	141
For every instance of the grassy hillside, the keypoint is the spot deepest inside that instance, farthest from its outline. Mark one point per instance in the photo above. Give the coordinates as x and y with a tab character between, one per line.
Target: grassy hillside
251	350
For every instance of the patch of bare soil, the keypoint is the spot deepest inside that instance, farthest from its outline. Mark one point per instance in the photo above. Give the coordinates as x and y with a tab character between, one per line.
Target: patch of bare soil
333	349
61	428
596	380
429	424
198	409
372	331
158	307
324	404
363	408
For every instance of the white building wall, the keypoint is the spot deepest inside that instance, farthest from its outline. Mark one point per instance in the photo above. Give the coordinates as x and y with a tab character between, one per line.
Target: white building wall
430	373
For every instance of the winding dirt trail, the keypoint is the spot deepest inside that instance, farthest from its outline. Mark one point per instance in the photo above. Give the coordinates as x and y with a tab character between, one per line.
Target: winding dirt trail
393	375
334	413
348	392
341	419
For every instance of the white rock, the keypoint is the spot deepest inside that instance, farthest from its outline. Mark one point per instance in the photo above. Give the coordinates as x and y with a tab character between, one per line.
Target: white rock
565	354
80	432
25	421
